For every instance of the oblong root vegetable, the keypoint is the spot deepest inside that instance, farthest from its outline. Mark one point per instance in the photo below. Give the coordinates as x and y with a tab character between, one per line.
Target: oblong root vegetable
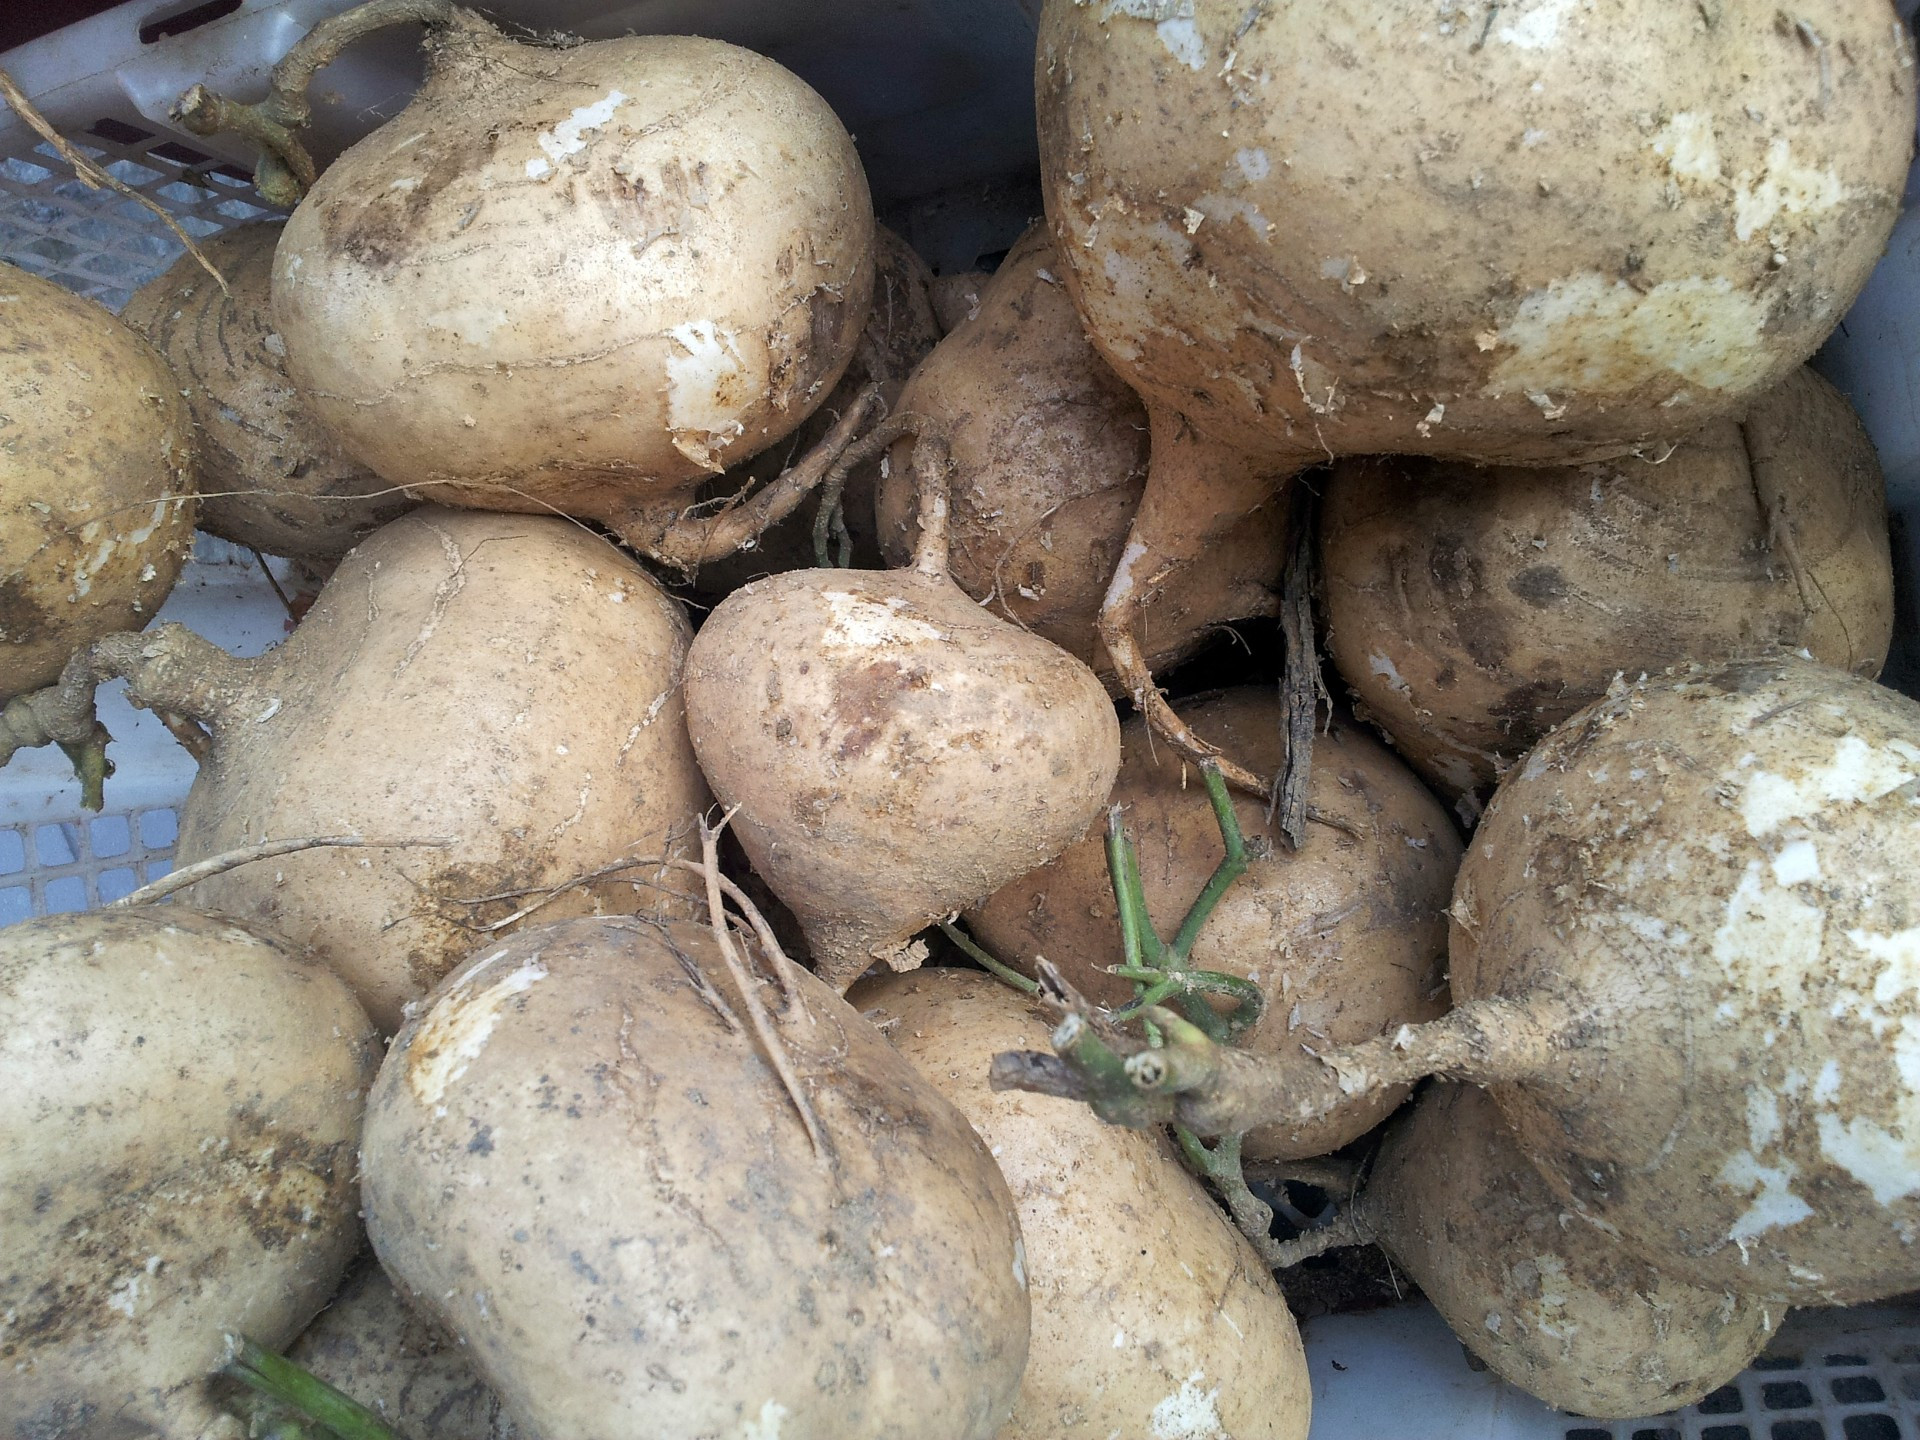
1050	456
1346	936
577	279
271	477
176	1162
1472	610
1550	1303
1151	1316
1681	956
1513	233
96	479
493	697
578	1158
369	1344
895	752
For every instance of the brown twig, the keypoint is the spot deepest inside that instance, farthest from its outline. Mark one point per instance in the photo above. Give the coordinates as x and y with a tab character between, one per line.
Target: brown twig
94	178
1302	687
757	1015
227	860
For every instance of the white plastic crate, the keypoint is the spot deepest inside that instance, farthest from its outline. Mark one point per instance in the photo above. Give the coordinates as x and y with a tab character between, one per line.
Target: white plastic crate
1394	1374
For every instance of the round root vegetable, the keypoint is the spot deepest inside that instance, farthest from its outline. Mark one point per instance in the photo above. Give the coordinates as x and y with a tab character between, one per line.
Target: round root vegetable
176	1162
1525	232
571	279
1151	1316
956	298
901	329
895	751
580	1160
1050	456
371	1346
1682	956
96	479
1346	936
1472	610
270	476
497	693
1552	1305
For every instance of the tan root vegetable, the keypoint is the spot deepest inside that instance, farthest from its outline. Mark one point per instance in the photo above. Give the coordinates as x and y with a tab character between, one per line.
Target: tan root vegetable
1550	1303
1151	1316
579	1158
96	479
370	1345
1346	936
578	279
1681	954
900	331
1473	610
176	1162
272	478
1510	231
1050	456
895	751
956	298
500	690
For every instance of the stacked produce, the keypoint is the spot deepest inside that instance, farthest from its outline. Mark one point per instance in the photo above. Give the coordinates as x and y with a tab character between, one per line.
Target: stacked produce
1607	567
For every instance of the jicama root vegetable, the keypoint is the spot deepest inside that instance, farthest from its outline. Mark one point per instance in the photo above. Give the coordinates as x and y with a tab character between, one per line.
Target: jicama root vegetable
895	751
270	476
1150	1314
956	298
369	1344
579	1158
840	530
1050	456
1472	610
1507	231
1346	936
500	690
1550	1303
570	280
96	477
1682	959
176	1162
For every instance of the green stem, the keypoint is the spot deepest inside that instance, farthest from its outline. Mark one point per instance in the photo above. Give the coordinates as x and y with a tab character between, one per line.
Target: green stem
1221	1165
1230	868
975	952
280	1379
1123	897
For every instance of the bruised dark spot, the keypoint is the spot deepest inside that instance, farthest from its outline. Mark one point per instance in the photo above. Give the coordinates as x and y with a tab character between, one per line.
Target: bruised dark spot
864	702
1541	586
482	1141
22	622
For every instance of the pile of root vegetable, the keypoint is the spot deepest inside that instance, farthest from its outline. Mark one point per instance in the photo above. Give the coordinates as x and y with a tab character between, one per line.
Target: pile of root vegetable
710	925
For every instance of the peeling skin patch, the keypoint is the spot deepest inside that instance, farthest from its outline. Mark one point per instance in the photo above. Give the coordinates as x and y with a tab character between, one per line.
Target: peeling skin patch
1253	164
1687	144
1020	1263
1885	1159
1384	667
1595	336
1784	185
1537	28
1190	1413
1775	1206
767	1427
1797	863
705	375
857	623
1857	773
1183	41
460	1026
1770	932
569	137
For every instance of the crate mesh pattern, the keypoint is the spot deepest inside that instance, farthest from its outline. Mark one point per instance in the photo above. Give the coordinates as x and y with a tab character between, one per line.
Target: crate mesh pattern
98	243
